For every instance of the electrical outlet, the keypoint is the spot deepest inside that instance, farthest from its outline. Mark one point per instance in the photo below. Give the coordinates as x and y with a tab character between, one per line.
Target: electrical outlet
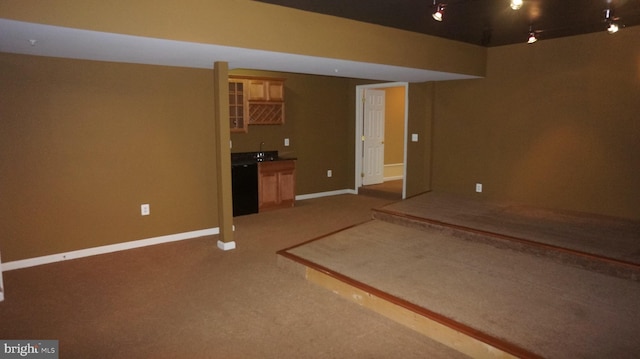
478	187
145	210
329	173
414	137
286	142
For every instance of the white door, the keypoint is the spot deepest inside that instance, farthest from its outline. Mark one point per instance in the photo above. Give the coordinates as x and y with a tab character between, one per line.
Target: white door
373	137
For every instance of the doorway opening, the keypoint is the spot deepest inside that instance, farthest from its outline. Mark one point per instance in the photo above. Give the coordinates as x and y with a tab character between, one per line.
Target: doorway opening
381	138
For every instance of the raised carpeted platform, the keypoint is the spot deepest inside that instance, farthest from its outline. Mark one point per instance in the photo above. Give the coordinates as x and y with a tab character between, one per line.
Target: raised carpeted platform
473	276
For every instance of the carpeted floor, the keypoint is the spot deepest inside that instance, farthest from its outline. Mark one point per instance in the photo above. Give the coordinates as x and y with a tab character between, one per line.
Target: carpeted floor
536	302
391	190
190	300
545	307
603	236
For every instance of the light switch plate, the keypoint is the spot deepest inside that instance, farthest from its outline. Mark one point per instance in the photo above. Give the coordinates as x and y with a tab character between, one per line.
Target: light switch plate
414	137
286	142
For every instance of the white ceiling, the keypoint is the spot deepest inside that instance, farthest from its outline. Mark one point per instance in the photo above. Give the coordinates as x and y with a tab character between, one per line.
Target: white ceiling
45	40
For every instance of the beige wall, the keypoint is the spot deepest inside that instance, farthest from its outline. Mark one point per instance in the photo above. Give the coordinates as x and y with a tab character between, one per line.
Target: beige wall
419	154
84	144
555	124
394	125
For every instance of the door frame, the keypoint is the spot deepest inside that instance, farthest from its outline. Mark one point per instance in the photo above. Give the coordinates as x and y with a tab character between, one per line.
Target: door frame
359	128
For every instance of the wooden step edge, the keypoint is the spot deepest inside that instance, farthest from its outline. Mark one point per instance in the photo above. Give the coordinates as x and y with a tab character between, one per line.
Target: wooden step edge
458	336
593	262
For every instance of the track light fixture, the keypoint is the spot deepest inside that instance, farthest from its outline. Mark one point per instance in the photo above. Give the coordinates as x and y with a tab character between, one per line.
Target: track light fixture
612	24
532	36
516	4
439	13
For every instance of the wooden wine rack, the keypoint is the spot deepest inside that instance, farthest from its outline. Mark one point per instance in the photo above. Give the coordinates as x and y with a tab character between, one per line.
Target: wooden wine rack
266	113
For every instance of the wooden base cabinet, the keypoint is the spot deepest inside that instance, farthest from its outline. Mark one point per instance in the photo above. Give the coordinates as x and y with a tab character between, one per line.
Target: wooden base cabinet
276	184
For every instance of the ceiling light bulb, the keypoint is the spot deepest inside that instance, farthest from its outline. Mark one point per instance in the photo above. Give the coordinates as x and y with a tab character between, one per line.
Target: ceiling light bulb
613	28
516	4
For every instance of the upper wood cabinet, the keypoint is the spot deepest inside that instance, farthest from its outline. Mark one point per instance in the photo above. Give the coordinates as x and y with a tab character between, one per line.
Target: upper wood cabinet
255	101
238	106
266	90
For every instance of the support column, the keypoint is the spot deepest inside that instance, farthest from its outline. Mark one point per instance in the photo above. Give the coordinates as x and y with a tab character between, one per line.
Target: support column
223	155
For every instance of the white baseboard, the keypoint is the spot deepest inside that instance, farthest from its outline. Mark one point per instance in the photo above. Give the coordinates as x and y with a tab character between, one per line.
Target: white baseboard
59	257
226	246
1	284
324	194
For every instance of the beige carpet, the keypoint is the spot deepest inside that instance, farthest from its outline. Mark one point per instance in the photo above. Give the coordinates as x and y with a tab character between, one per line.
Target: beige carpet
190	300
604	236
533	301
545	307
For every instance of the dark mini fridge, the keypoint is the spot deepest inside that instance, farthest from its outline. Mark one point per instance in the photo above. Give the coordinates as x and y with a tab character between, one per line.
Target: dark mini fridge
244	187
